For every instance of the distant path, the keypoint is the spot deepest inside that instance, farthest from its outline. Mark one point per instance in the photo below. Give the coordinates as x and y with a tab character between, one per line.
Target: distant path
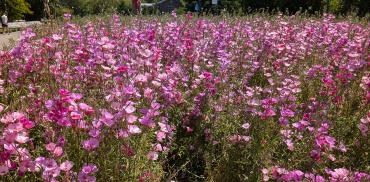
5	39
23	24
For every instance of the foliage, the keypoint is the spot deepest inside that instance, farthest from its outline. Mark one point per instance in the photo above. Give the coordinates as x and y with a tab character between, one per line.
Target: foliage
100	6
335	6
124	8
17	9
240	7
37	7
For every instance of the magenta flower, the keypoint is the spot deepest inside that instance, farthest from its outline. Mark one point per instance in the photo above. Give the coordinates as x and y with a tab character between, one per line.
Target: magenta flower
127	150
146	121
90	144
85	174
162	85
287	113
86	108
268	113
107	118
3	170
76	115
89	168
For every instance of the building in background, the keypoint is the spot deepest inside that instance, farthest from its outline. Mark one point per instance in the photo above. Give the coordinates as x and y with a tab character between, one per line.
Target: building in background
163	6
167	6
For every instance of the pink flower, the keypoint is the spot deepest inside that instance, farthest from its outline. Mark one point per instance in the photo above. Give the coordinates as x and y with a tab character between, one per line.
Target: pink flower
90	144
85	174
339	174
152	155
57	37
287	113
17	115
107	118
130	109
122	134
165	127
66	166
67	16
22	137
147	122
295	175
14	128
161	136
239	139
89	168
246	126
268	113
158	147
133	129
131	118
86	108
51	168
148	93
76	115
85	178
50	146
58	151
3	170
145	53
342	147
94	133
76	96
141	78
290	144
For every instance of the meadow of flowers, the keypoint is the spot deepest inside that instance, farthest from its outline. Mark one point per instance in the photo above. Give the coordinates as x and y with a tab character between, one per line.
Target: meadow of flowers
257	98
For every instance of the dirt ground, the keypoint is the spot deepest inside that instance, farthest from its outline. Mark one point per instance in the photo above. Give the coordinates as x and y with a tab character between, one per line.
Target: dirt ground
6	39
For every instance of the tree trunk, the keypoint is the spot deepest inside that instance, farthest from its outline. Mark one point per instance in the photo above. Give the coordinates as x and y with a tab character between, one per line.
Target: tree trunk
47	9
136	6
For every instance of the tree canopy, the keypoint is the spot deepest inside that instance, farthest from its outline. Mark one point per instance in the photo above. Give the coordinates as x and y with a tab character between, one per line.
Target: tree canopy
34	9
16	9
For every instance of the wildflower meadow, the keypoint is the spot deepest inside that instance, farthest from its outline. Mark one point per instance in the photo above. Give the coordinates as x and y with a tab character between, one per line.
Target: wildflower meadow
182	98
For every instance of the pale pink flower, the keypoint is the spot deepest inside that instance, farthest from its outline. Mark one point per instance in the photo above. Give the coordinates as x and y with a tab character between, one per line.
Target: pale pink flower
133	129
152	155
22	137
66	166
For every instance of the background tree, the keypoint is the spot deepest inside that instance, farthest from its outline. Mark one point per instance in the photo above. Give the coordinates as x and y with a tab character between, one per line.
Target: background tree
364	7
47	9
100	6
37	7
17	9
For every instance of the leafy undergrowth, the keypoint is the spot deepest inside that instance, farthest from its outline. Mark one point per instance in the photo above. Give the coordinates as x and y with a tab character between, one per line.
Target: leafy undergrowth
186	99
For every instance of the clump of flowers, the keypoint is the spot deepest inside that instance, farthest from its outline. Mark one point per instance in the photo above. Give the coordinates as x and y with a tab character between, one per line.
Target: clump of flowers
281	98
